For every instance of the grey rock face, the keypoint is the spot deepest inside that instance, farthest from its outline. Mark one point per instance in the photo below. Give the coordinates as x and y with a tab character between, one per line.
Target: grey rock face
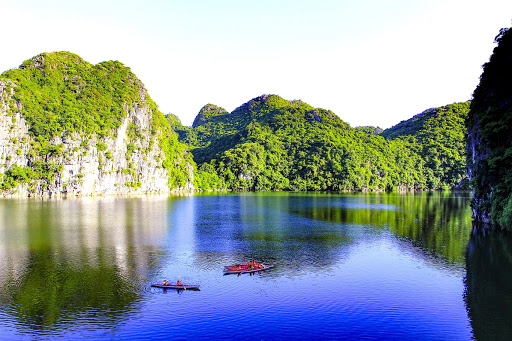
117	164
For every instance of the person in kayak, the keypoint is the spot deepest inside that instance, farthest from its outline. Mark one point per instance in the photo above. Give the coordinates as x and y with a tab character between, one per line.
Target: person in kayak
165	282
259	265
248	264
178	282
254	264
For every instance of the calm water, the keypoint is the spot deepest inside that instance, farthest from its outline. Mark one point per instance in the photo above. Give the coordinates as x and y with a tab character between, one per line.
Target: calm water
375	266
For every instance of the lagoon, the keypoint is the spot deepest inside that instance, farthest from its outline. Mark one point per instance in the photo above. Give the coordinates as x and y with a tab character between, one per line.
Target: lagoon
347	266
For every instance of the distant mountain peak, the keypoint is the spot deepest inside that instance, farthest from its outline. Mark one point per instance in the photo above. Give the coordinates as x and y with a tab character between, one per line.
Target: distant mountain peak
53	60
254	104
208	111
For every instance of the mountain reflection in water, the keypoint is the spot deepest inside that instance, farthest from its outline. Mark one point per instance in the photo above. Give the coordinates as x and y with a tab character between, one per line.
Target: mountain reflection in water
488	284
63	258
435	224
364	265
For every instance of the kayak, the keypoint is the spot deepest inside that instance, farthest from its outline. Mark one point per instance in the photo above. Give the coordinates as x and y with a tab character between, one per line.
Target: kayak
244	269
232	267
175	286
237	266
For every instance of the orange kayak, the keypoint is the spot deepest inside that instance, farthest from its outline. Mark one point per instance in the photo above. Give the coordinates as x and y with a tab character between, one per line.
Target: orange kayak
244	269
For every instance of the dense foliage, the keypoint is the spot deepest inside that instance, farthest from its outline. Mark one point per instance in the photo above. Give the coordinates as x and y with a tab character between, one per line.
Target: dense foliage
59	94
267	143
370	129
273	144
489	136
438	136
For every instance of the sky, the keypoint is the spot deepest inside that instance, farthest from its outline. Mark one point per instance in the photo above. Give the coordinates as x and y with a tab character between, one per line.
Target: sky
372	62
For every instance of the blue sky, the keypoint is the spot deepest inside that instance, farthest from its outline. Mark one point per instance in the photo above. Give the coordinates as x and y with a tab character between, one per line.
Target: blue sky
371	62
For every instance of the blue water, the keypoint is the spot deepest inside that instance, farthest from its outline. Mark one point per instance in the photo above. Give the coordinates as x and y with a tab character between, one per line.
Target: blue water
347	266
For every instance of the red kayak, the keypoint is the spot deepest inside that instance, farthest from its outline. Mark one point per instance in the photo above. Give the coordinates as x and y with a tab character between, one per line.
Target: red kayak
244	269
237	266
175	286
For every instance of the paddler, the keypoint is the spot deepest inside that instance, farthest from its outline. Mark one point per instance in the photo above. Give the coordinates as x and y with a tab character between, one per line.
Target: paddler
254	264
248	264
165	282
178	282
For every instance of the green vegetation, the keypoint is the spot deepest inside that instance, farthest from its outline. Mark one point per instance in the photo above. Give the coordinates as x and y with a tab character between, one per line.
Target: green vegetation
38	170
273	144
438	136
268	143
60	94
370	130
489	137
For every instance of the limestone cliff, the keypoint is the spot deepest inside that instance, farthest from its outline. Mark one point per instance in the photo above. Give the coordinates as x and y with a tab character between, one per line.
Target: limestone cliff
489	143
56	140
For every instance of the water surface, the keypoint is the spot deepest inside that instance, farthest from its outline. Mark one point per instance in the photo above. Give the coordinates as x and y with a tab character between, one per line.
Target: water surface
377	266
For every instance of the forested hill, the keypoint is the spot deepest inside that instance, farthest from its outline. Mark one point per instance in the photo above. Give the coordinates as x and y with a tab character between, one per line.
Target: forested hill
270	143
449	118
68	126
71	127
438	136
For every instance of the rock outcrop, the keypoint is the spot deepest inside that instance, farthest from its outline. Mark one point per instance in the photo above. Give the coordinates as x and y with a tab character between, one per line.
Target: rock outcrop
138	155
489	143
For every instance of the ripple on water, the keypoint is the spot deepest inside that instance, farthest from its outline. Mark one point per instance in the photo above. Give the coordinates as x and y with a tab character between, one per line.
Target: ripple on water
338	274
